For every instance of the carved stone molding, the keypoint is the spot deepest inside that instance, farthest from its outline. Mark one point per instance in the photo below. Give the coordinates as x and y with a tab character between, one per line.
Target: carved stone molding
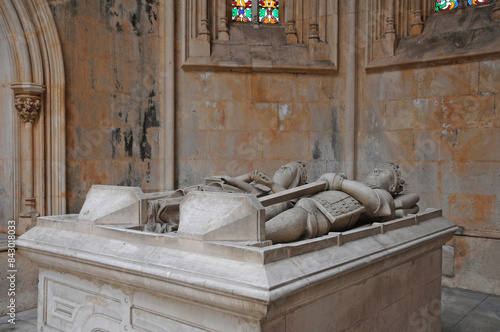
308	30
496	11
407	32
28	107
38	144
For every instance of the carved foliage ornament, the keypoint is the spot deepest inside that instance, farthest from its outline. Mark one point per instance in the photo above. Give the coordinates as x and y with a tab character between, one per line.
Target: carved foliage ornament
28	107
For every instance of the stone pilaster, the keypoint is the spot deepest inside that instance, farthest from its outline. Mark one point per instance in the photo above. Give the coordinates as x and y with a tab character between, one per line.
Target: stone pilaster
417	25
28	104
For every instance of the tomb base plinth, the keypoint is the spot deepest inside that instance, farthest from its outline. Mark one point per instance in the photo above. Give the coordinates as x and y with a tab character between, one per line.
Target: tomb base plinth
116	278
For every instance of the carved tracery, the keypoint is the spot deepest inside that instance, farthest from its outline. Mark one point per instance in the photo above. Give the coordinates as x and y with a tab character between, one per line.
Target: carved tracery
309	23
401	24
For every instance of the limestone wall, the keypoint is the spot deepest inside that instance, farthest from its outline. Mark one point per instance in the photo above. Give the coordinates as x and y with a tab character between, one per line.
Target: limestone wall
232	123
7	192
113	121
440	121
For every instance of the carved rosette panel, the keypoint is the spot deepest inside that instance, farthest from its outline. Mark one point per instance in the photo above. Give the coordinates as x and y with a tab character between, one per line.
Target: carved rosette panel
28	107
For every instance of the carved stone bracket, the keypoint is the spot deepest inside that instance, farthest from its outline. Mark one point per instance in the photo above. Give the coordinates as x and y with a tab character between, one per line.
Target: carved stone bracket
28	107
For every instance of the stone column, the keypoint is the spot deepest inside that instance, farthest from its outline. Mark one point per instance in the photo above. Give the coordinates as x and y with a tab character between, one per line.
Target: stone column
223	30
417	25
390	28
28	104
205	32
291	30
386	46
313	23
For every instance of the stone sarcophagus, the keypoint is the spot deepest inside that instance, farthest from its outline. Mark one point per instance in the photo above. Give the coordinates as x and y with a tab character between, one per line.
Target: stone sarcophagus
100	271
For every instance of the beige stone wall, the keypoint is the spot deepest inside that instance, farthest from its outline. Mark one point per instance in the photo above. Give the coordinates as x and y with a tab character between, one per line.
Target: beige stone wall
113	121
440	121
440	124
230	123
7	192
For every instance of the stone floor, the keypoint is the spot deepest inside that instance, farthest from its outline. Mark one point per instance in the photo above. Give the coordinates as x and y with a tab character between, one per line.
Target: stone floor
25	322
462	310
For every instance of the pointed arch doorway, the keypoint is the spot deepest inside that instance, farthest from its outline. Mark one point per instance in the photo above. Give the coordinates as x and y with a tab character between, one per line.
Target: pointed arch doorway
32	109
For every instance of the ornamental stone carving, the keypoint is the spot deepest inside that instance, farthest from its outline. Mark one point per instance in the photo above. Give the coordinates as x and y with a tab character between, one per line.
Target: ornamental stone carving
28	107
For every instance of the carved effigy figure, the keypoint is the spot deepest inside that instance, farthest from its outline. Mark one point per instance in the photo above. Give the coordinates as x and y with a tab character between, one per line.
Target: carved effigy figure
343	205
163	208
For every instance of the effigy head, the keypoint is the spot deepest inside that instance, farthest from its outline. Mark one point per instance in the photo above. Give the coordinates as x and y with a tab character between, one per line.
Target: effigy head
291	175
386	176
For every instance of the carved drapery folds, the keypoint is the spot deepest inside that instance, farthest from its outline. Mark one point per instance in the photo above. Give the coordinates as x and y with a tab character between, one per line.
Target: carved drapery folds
210	38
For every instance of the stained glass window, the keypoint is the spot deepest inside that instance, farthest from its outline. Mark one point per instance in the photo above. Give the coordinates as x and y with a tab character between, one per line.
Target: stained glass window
269	11
478	2
442	5
242	10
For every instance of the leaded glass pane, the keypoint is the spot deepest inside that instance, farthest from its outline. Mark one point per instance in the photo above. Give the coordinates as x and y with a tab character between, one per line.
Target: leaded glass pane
442	5
269	11
242	10
478	2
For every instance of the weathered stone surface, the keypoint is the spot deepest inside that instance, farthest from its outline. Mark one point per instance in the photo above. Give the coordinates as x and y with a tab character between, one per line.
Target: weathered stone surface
475	254
7	164
26	282
221	217
255	116
397	84
111	104
113	205
149	282
451	109
230	123
281	146
442	80
480	178
447	37
471	211
448	261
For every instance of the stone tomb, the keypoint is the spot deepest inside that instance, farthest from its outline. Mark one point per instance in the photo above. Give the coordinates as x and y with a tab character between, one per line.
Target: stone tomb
100	272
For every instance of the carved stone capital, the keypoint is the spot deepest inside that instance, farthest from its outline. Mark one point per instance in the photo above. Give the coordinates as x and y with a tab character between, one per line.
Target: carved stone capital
28	100
28	107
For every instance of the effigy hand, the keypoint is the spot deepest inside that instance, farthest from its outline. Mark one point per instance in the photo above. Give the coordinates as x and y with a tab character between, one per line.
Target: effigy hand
261	178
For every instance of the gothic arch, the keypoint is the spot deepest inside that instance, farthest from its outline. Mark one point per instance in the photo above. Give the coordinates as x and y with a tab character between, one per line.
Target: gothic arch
37	72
